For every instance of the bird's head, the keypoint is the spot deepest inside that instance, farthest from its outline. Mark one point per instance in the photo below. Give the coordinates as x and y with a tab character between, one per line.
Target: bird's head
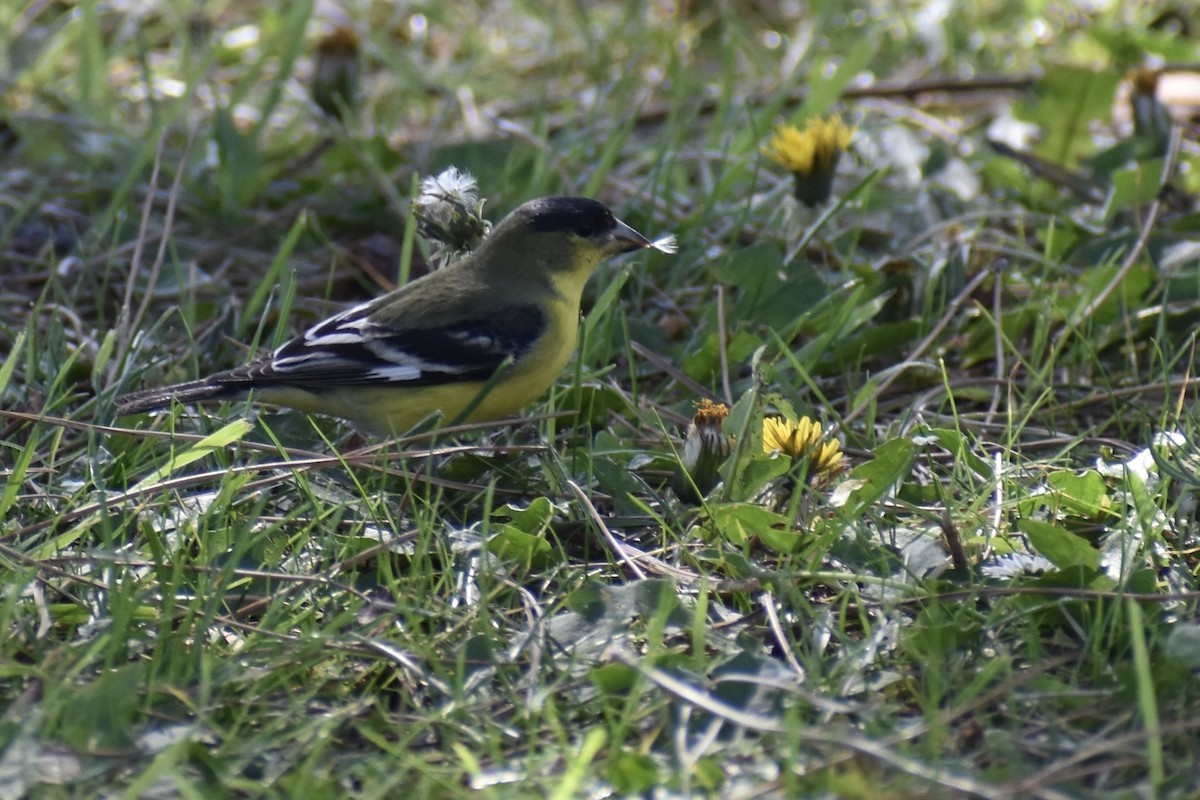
558	235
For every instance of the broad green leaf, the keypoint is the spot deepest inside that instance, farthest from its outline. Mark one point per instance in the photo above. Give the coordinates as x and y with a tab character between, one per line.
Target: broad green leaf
593	404
513	544
784	539
534	518
703	362
632	774
621	484
103	712
1136	186
737	522
769	292
939	631
1084	493
613	678
891	464
523	538
757	470
873	341
598	616
963	450
1068	100
1079	494
1059	546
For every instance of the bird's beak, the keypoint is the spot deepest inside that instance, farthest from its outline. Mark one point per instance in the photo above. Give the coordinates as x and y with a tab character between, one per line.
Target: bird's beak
625	239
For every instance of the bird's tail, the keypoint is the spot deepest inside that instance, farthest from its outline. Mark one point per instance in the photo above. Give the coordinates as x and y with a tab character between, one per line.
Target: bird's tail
163	396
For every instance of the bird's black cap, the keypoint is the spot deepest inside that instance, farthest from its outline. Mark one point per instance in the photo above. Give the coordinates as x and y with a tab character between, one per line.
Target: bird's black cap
577	214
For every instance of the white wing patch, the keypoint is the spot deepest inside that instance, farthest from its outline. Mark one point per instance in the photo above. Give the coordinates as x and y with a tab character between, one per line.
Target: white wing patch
351	347
347	327
303	361
395	373
337	337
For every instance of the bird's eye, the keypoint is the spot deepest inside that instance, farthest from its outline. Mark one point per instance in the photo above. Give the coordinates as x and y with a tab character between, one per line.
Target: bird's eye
585	231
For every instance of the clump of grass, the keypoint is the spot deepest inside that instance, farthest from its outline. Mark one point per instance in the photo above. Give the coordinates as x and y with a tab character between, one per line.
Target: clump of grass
986	545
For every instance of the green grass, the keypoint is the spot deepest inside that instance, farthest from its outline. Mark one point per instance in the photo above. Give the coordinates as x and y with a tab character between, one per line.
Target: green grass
995	598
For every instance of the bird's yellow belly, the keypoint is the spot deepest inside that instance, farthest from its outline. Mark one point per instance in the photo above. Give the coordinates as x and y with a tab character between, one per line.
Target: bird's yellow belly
397	409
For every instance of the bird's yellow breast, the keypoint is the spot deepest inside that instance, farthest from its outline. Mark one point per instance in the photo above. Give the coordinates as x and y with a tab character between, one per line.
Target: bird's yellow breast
395	409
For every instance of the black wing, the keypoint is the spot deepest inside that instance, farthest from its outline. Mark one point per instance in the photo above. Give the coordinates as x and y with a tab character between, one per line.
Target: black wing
353	350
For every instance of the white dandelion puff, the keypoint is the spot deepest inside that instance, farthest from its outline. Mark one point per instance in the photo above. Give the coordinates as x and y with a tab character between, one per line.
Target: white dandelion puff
666	244
449	214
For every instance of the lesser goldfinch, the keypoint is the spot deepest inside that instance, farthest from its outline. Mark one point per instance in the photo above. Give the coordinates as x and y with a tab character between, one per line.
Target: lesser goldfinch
477	340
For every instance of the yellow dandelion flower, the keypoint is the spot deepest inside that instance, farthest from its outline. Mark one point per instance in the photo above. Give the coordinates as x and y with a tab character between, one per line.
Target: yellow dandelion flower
814	149
704	449
803	439
811	155
710	414
827	459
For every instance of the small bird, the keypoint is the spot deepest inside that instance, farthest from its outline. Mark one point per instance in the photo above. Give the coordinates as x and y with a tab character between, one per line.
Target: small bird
477	340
